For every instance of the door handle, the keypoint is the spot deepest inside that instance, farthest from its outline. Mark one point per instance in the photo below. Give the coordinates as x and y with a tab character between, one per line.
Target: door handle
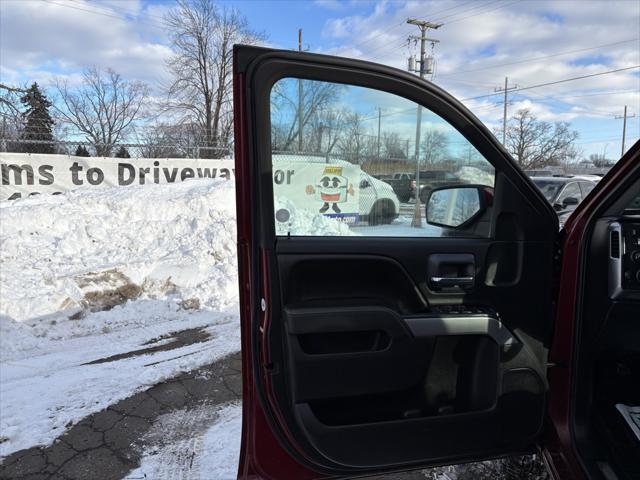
447	282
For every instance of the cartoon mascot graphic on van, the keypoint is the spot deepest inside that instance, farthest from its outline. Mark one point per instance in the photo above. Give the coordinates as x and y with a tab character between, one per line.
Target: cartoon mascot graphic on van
331	188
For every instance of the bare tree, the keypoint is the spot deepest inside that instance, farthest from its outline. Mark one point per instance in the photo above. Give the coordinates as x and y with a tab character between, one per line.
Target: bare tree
318	107
165	141
202	36
324	130
536	144
571	159
599	160
357	144
435	145
10	99
393	146
11	119
104	108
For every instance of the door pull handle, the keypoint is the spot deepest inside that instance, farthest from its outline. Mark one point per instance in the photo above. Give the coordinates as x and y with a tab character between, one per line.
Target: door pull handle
448	282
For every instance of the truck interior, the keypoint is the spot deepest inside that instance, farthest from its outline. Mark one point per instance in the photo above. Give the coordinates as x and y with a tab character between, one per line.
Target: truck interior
607	353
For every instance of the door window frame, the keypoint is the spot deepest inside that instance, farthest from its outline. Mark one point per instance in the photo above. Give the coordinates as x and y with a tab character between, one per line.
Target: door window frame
275	66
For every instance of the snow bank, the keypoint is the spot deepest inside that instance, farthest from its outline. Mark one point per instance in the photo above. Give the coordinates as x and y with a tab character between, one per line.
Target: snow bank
291	220
475	175
172	241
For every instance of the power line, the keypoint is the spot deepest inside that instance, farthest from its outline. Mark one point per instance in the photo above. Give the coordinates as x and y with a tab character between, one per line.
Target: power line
104	14
125	11
534	59
615	92
481	13
395	26
440	19
386	48
402	22
599	140
589	110
434	14
410	109
520	89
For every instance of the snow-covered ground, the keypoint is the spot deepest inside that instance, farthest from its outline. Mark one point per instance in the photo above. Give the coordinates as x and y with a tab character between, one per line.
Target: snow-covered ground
170	458
96	273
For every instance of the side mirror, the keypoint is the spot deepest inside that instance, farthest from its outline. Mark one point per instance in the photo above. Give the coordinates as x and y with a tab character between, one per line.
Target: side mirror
570	201
456	206
364	184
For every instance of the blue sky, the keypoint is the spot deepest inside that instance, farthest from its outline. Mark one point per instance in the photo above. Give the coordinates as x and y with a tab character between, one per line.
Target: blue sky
482	41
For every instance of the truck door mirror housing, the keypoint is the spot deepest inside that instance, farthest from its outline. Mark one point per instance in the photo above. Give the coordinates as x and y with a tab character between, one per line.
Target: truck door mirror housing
456	206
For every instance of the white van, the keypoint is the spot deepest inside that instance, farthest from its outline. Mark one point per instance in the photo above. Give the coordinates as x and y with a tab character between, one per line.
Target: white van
335	188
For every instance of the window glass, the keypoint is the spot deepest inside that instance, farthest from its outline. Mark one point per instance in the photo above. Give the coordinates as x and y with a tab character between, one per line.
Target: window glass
549	188
586	188
571	190
362	158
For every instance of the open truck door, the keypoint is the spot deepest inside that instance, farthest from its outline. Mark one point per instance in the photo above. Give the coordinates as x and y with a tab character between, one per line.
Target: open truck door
371	349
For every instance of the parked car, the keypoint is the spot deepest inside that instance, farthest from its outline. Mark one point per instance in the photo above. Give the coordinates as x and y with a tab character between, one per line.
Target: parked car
545	172
404	183
564	193
364	355
585	176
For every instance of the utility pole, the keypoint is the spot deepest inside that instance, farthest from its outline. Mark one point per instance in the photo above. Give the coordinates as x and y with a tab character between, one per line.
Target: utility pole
321	131
424	27
379	121
624	126
300	100
506	102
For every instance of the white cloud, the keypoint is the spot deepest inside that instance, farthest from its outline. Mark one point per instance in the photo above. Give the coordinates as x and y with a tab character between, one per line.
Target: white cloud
474	37
66	36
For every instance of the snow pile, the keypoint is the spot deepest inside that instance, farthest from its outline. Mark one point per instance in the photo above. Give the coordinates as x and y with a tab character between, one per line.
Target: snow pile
475	176
151	242
93	274
291	220
16	337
